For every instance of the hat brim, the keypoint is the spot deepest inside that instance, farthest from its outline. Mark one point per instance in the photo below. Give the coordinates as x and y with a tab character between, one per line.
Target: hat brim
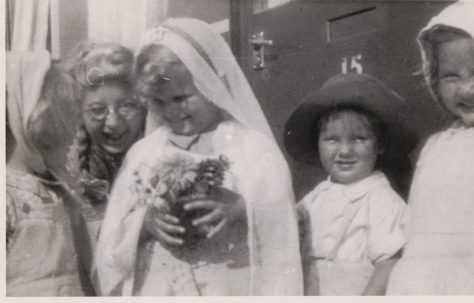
350	91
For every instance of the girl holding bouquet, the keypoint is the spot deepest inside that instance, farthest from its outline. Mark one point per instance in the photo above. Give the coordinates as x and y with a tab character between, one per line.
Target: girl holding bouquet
203	204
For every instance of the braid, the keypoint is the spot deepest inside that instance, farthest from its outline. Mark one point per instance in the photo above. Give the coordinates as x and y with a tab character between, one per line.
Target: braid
92	66
93	189
84	147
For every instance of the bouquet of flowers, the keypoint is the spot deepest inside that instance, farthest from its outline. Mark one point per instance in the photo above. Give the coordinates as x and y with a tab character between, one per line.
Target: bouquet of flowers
178	180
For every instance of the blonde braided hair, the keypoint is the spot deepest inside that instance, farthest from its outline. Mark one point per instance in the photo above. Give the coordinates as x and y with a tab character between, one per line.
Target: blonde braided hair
92	65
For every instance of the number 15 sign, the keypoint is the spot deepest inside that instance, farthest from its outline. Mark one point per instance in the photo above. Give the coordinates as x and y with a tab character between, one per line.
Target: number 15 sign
352	64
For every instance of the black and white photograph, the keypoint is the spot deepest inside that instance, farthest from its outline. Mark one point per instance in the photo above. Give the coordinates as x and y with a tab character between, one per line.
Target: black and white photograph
237	148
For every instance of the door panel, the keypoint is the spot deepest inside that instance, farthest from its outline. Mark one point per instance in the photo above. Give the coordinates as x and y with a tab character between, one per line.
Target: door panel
314	40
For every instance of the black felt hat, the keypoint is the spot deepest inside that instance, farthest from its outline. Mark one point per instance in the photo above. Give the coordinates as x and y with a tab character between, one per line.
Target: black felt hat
350	91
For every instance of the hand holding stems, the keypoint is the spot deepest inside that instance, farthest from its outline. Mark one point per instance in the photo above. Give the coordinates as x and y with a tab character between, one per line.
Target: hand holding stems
163	226
224	206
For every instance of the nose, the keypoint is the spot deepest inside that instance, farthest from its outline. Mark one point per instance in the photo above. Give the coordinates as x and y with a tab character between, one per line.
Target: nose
346	149
112	122
175	110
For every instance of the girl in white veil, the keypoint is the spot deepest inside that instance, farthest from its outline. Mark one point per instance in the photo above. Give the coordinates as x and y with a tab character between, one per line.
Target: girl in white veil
195	89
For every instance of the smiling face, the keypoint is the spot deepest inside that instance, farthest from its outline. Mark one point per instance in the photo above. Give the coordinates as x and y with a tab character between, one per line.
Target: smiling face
184	109
112	117
456	78
348	147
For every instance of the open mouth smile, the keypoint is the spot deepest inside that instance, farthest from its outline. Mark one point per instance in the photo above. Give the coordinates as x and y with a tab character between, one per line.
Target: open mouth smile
345	164
115	140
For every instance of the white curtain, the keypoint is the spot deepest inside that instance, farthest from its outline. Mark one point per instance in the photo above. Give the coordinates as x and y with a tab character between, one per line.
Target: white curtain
33	26
30	25
124	21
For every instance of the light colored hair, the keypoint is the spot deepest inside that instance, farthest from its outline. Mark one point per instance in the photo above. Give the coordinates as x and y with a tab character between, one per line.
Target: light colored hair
94	65
151	68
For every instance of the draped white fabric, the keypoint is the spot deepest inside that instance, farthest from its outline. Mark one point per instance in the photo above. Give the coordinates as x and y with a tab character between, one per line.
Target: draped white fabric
259	173
123	21
26	72
30	25
262	175
222	81
34	25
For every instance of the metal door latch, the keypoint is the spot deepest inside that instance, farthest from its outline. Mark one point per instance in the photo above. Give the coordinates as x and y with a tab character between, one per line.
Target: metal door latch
258	43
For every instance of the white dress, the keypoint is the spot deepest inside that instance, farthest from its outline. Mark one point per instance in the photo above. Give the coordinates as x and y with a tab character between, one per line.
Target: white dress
41	256
439	257
348	228
261	258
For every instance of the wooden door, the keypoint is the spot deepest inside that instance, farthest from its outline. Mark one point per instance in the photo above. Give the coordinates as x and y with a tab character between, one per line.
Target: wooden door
314	40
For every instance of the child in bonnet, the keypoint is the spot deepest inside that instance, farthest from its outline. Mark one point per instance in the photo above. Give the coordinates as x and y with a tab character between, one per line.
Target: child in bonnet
439	256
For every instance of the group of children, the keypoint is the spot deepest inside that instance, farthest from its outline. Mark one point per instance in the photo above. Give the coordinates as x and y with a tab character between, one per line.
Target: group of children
352	234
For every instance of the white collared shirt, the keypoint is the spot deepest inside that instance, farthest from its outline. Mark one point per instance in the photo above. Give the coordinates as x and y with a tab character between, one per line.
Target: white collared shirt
361	222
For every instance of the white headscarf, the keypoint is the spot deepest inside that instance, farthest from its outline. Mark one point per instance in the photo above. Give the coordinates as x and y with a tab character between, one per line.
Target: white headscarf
26	72
273	242
458	15
215	71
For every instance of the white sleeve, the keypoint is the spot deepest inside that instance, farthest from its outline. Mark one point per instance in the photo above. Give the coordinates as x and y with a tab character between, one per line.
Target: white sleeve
387	213
120	231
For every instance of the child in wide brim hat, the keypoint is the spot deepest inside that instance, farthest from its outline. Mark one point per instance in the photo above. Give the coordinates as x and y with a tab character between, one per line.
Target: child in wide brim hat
350	90
352	223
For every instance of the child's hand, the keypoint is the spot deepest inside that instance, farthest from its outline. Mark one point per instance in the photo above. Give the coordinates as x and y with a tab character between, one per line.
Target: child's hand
164	227
225	207
377	285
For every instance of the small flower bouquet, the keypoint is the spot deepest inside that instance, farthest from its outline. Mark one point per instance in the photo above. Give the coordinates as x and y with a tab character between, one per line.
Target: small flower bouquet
178	180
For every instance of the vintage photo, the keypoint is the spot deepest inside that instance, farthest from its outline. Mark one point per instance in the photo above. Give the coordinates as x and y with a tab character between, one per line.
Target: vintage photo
239	148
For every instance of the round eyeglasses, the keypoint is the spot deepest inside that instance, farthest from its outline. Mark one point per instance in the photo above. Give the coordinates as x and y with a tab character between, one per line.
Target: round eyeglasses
126	110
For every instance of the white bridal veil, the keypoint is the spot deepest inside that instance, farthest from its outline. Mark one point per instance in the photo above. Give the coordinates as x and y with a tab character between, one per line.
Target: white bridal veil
275	263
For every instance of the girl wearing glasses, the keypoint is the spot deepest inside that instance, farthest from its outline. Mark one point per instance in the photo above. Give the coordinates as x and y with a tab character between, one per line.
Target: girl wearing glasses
112	121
